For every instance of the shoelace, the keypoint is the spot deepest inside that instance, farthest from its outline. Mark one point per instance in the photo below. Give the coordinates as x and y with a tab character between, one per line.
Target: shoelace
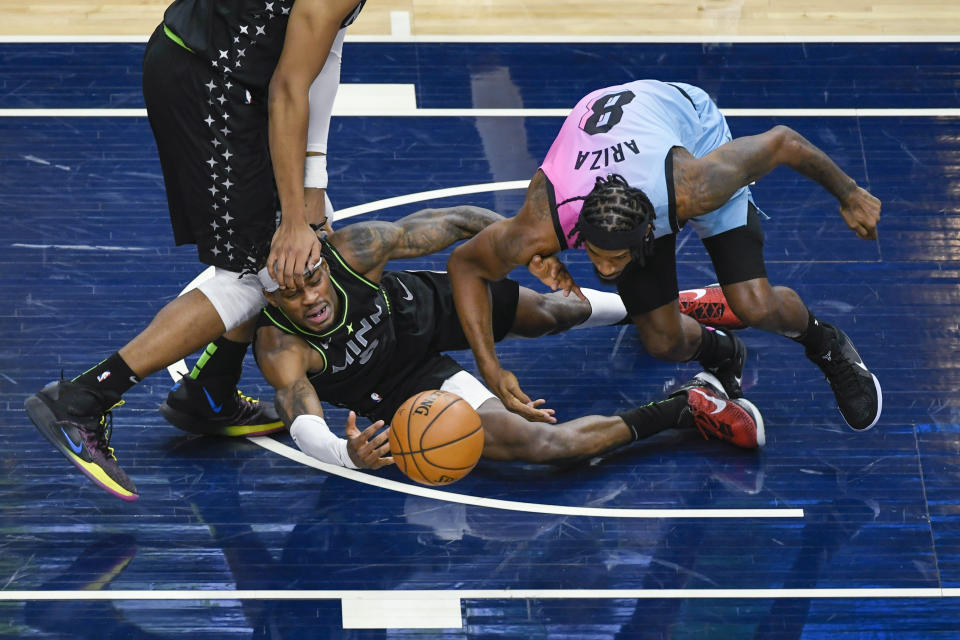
703	432
102	439
841	374
246	398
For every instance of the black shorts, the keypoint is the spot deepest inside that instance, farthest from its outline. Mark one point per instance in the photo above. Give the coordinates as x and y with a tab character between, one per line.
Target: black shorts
737	256
448	335
211	134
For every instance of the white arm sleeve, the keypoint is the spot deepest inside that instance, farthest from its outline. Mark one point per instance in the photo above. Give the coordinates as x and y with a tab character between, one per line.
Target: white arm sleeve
323	91
315	439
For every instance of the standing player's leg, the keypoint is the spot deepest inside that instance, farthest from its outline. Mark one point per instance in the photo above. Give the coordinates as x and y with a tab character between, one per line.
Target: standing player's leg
206	401
211	139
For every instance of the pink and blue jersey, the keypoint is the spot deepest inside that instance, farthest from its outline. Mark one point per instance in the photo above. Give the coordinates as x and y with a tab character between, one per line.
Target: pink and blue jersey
629	130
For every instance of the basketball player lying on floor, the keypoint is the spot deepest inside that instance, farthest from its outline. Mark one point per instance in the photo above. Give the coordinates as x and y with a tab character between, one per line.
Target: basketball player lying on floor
367	339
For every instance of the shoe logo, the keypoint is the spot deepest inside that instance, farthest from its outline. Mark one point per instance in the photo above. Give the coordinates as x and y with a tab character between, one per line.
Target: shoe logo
134	379
699	293
103	376
860	364
717	402
827	357
76	448
409	295
213	405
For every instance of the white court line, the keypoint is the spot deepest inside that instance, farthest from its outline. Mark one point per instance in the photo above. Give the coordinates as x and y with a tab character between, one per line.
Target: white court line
539	39
439	608
80	247
377	205
482	594
400	24
509	505
404	109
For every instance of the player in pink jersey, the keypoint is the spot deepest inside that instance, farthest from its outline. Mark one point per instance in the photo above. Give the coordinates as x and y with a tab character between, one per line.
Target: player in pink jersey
631	166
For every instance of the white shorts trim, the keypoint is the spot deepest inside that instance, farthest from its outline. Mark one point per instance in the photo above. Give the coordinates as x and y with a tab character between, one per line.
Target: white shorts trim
236	299
467	387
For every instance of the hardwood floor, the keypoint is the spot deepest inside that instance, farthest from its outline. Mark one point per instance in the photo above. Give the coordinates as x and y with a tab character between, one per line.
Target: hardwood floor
539	17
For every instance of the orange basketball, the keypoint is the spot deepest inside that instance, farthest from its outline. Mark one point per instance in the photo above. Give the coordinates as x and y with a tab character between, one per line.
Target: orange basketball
436	437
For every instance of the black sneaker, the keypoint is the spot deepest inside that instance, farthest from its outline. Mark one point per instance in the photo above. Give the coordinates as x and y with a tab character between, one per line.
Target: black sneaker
217	408
737	421
730	371
856	389
74	419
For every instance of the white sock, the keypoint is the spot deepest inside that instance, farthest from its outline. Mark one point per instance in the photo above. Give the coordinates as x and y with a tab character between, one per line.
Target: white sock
605	309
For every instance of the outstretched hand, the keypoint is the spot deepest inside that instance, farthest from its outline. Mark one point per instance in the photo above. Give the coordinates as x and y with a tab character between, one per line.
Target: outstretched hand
553	273
506	387
861	212
292	251
367	449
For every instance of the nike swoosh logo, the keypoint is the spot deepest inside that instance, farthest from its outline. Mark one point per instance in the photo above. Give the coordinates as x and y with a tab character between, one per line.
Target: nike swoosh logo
213	405
76	448
717	402
860	364
700	293
409	295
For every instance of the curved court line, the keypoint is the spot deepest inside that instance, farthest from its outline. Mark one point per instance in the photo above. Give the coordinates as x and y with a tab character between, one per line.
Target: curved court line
377	205
179	369
510	505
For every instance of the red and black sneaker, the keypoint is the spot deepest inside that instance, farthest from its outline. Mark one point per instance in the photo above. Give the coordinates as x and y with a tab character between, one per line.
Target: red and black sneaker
215	407
709	306
737	421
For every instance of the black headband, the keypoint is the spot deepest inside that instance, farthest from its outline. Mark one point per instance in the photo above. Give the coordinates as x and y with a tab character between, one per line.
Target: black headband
612	240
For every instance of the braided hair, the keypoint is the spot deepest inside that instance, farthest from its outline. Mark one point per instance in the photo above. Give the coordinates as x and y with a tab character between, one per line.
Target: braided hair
615	216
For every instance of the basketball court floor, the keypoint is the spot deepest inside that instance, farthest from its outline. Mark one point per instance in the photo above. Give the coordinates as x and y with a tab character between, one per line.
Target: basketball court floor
825	533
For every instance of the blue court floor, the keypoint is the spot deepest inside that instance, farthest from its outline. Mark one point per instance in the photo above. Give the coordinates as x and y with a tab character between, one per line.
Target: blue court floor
825	533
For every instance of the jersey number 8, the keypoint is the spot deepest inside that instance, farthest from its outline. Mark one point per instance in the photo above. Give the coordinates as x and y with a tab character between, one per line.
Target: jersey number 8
606	112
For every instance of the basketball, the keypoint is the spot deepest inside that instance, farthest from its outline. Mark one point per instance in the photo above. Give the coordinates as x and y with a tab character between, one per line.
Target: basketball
436	437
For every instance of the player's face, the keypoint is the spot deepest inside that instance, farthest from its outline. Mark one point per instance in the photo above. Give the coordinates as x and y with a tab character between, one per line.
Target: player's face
314	306
608	264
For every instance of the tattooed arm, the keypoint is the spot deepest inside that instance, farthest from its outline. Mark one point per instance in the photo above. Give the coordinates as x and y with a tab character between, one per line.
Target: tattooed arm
490	256
368	246
285	361
704	184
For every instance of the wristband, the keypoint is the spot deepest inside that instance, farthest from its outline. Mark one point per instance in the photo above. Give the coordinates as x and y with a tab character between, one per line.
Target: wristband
315	172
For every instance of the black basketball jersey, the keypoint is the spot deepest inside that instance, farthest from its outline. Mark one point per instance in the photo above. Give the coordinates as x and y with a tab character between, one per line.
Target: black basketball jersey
240	38
385	338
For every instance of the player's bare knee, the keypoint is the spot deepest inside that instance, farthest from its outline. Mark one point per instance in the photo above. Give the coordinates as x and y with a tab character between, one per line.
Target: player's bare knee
546	314
666	346
550	447
565	312
755	305
760	312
